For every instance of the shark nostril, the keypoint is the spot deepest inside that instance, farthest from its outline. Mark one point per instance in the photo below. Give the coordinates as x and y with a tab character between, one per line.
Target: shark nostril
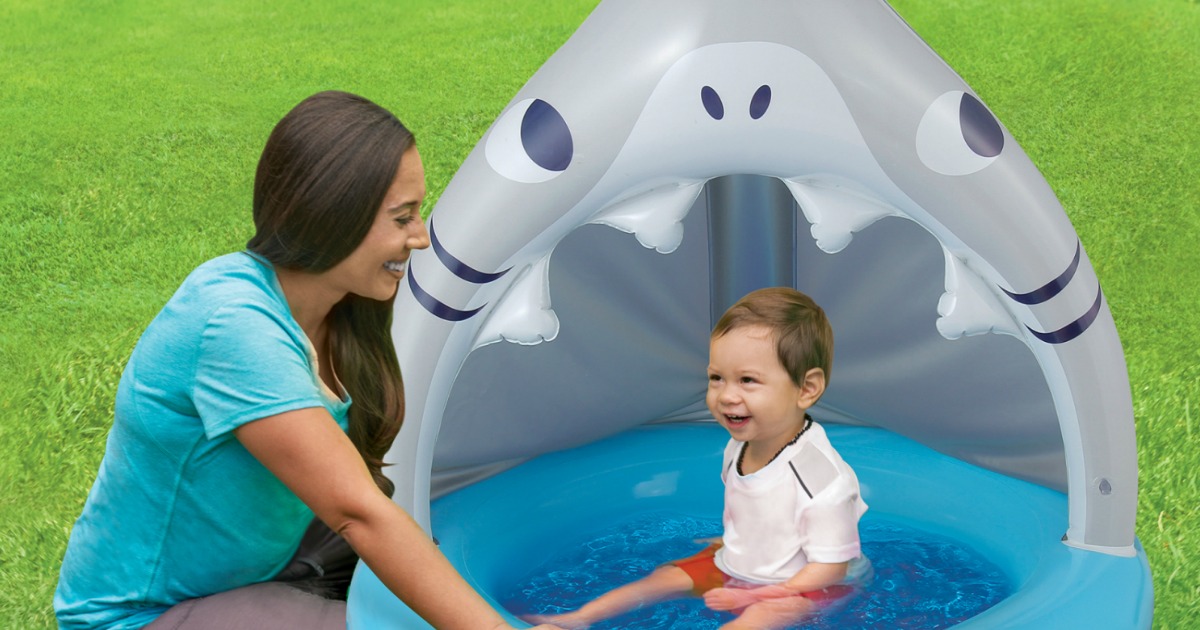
760	102
712	103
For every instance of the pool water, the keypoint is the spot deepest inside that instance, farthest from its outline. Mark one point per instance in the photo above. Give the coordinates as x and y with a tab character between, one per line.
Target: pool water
922	581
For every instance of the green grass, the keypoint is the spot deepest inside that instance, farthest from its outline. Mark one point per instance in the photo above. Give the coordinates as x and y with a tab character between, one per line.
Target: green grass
129	133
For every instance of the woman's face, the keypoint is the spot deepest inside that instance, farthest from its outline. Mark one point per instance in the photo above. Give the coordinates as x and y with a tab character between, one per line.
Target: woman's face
374	269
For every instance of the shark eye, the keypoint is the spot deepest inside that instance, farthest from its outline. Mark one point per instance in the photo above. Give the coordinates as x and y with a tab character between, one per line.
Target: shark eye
530	143
760	102
712	103
958	135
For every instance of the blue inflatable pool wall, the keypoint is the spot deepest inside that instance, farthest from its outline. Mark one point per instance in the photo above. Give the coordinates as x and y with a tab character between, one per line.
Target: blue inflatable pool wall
499	529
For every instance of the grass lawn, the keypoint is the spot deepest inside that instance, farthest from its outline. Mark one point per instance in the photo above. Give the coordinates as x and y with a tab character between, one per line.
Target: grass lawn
129	132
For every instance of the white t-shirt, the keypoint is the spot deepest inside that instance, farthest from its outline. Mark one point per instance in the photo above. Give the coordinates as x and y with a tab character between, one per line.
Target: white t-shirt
802	507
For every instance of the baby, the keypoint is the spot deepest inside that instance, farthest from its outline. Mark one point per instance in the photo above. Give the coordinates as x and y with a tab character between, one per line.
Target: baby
792	506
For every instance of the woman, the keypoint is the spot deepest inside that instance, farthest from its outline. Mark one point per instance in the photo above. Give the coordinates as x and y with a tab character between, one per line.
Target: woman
266	391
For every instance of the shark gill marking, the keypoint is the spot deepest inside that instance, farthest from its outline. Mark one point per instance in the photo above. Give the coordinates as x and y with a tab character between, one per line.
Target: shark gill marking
458	268
435	306
1051	289
1075	328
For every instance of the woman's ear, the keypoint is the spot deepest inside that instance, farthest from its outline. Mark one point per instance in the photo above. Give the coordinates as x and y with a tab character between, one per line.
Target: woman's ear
811	388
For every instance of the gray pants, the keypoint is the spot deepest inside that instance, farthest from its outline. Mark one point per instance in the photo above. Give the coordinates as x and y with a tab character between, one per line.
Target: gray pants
309	594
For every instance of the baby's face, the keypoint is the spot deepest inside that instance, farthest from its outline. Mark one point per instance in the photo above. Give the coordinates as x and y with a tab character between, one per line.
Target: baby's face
749	391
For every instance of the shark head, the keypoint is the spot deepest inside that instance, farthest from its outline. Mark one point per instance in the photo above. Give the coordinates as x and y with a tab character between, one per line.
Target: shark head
672	156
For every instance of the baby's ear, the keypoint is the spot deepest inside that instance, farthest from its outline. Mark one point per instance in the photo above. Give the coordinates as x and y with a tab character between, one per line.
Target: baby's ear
811	388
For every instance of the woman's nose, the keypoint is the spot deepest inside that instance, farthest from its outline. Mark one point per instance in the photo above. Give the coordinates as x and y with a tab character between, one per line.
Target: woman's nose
419	236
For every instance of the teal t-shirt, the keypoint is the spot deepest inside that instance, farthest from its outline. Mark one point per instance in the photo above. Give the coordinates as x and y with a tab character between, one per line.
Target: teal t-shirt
180	509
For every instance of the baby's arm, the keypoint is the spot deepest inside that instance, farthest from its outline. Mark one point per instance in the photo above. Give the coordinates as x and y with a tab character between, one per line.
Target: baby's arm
813	577
816	576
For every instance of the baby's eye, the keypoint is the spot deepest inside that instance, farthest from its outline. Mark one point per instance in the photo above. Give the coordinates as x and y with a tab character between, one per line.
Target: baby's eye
714	378
747	380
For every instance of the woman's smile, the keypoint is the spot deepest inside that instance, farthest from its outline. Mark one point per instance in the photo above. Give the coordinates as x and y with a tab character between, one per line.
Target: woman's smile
397	231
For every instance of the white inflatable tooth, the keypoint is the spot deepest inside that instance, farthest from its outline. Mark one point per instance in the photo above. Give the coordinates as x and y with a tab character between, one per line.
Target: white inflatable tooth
655	216
836	210
523	314
969	306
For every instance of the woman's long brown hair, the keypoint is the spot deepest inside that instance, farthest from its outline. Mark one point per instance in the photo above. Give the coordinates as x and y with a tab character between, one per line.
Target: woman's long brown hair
321	179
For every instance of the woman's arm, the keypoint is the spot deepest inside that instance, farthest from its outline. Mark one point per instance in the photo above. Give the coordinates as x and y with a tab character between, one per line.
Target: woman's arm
311	455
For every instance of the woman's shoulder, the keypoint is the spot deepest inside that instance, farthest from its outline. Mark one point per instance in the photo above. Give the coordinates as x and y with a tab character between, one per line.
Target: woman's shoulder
232	267
235	283
233	277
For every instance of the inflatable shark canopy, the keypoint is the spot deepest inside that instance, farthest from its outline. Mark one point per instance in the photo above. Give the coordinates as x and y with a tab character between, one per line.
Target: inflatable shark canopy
675	155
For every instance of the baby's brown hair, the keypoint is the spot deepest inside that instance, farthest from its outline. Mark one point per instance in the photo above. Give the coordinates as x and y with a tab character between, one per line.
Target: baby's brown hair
803	336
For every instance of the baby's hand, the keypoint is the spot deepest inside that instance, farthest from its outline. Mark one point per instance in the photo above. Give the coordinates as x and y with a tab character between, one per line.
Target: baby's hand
735	598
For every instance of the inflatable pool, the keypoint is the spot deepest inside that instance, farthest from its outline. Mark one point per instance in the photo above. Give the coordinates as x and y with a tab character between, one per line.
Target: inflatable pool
499	529
673	156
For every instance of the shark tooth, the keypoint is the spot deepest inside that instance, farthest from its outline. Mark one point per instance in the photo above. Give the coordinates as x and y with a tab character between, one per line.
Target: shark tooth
523	314
654	216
